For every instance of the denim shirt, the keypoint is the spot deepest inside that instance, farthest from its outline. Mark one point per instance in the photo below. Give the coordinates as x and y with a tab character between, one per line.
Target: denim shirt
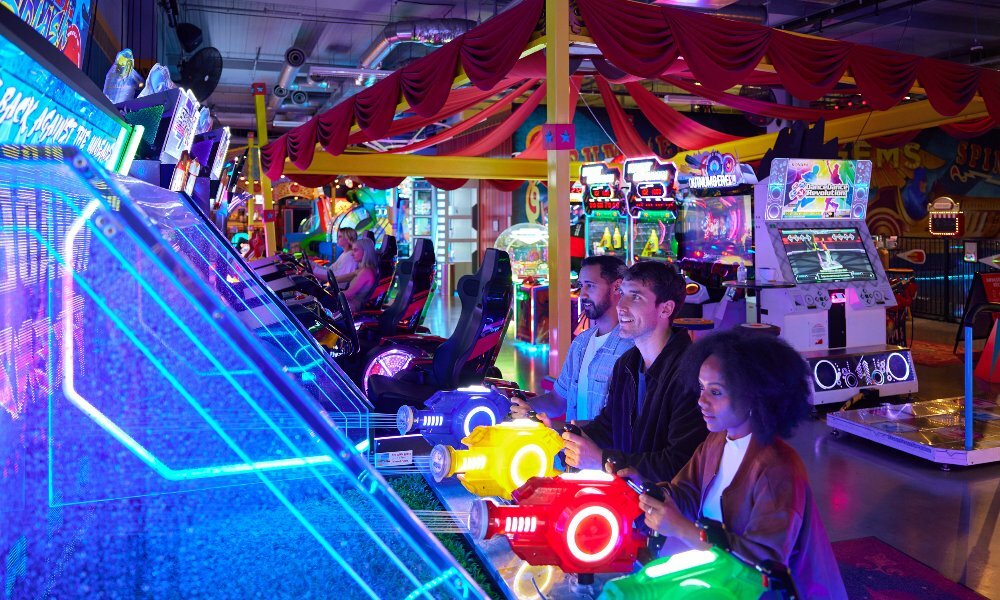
599	373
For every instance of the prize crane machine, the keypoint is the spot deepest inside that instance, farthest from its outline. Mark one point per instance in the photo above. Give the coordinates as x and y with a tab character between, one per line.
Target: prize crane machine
715	233
607	222
819	278
528	247
651	197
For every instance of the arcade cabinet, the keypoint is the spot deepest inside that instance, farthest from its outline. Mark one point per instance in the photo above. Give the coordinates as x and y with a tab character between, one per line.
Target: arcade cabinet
810	233
651	198
528	247
607	222
715	232
171	414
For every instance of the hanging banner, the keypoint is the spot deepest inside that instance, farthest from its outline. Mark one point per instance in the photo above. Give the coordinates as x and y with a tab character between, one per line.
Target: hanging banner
64	23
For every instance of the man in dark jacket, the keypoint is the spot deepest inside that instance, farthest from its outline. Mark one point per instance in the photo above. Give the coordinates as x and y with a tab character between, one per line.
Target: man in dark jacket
651	423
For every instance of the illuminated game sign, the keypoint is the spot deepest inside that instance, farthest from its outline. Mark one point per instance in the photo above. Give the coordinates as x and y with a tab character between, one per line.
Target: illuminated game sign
64	23
827	255
945	218
601	183
220	154
36	107
818	189
717	171
183	123
651	185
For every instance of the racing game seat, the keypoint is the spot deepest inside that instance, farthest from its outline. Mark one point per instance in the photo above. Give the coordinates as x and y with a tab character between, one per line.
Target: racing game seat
386	269
426	364
407	297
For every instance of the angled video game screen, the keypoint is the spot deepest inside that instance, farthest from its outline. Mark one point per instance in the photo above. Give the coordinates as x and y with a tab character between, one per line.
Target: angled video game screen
164	431
717	228
827	255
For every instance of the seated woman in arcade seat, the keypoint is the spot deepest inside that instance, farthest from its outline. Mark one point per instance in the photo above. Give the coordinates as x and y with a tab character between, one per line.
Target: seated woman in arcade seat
345	265
363	281
754	391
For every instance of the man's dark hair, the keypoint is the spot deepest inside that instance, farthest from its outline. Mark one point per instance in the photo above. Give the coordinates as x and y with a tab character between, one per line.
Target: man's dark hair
612	267
663	279
763	375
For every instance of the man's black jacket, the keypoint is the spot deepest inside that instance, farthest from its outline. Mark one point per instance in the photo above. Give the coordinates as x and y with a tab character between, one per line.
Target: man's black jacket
660	440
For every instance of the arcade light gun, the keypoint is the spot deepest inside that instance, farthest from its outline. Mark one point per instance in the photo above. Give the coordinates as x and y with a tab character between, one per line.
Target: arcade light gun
453	415
715	573
581	522
654	541
500	458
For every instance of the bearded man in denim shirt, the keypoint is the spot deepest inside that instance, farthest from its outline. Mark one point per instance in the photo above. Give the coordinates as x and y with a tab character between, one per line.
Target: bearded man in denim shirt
582	387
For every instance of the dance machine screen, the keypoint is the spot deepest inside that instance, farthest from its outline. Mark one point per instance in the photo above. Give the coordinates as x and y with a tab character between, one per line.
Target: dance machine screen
817	189
827	255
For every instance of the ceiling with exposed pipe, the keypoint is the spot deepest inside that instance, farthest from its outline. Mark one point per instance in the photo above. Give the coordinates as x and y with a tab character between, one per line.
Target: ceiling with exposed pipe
313	53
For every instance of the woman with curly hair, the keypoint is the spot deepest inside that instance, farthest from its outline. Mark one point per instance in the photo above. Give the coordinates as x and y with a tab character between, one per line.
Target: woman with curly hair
754	390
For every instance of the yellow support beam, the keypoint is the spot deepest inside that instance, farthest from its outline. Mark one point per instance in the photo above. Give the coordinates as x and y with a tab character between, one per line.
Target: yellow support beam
415	165
558	112
905	117
260	110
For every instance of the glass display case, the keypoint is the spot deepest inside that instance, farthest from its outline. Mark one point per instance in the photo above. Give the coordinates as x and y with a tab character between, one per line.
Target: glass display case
528	246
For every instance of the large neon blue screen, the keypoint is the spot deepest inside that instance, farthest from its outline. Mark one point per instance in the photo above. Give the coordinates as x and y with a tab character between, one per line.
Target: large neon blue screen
162	435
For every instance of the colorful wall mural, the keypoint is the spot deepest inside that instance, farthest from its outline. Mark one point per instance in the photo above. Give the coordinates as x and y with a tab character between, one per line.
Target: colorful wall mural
906	179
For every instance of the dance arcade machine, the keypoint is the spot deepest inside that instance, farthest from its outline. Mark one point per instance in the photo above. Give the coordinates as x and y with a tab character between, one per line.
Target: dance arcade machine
819	278
715	232
651	197
528	247
605	214
948	431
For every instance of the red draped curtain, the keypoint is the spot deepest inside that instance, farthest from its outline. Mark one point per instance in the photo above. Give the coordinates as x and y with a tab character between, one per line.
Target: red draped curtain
637	41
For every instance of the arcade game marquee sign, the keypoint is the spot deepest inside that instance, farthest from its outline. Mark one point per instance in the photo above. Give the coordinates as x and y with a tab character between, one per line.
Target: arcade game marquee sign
38	108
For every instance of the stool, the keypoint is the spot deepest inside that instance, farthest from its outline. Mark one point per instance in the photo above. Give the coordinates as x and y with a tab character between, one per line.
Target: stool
694	326
765	328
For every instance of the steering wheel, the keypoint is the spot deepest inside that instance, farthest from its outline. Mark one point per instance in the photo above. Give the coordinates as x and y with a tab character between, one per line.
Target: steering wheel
344	324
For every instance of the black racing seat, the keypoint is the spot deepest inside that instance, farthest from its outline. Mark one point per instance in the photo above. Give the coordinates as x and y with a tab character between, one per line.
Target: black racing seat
386	269
407	296
467	356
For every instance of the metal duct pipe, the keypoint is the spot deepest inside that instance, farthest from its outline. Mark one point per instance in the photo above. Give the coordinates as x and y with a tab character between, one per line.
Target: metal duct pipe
432	32
320	71
739	12
294	59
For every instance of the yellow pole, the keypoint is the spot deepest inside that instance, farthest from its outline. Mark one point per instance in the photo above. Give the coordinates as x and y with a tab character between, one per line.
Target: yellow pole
557	112
260	109
248	168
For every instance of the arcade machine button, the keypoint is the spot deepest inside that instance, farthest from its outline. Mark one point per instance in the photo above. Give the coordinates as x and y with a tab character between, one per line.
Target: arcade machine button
440	462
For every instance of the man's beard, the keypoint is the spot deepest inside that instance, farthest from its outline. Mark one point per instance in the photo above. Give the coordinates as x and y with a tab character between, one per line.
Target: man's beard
595	311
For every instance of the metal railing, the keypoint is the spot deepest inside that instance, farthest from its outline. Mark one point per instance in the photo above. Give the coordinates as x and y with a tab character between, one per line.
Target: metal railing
945	277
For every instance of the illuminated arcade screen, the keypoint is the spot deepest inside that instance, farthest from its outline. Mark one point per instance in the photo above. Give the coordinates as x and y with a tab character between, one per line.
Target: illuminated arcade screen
717	228
819	189
161	413
827	255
